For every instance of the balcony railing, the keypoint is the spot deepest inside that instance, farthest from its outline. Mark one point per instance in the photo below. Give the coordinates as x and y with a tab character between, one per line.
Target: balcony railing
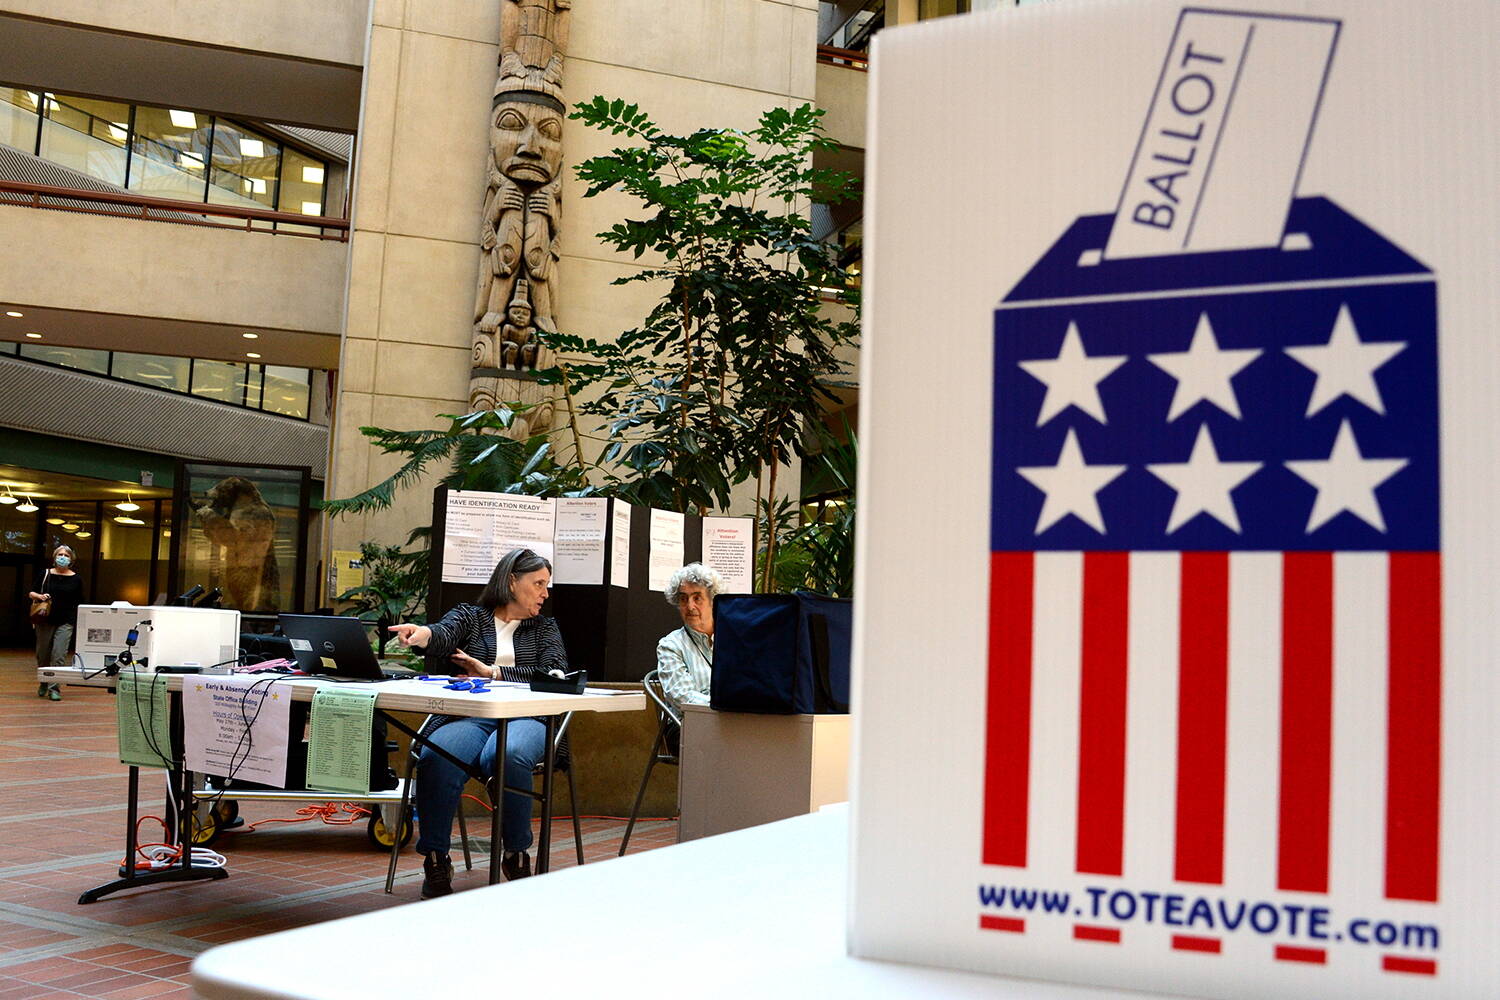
186	213
843	57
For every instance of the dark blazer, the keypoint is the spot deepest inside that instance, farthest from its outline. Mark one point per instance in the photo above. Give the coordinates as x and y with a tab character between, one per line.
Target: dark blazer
539	645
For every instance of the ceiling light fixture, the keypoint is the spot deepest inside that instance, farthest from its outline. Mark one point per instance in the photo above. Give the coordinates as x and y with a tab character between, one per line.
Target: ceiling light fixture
12	312
250	336
85	534
127	519
127	504
56	520
28	507
190	161
251	354
252	148
34	336
8	497
70	526
312	208
312	175
183	119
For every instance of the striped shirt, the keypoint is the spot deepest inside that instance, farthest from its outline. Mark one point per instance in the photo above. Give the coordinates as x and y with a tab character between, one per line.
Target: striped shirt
685	663
537	641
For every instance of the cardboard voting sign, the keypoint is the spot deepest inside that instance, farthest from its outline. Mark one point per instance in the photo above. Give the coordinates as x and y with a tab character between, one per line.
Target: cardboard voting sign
1206	695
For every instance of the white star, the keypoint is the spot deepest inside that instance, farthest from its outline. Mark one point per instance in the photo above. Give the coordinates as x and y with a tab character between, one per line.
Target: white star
1072	378
1346	365
1070	486
1203	372
1346	480
1203	484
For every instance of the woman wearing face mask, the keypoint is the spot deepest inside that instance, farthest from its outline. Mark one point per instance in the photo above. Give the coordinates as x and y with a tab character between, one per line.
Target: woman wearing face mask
62	588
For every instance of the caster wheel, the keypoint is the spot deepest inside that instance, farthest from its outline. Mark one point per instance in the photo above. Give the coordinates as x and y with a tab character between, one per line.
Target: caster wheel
206	828
380	834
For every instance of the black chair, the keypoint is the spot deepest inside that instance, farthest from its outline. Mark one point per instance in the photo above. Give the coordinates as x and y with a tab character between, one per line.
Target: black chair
664	750
562	763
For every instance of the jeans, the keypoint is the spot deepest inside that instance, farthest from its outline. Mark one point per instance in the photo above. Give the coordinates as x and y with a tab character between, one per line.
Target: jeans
440	784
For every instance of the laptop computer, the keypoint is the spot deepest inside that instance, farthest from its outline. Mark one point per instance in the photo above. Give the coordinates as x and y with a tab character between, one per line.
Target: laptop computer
331	646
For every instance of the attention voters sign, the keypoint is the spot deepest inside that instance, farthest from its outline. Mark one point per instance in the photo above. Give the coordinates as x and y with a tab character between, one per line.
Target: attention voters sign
1204	703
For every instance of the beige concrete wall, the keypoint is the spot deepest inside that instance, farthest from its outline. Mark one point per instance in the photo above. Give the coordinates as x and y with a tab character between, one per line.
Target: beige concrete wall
207	275
419	185
326	30
842	94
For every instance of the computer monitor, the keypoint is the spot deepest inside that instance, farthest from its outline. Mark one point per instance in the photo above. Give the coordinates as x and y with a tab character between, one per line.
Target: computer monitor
332	645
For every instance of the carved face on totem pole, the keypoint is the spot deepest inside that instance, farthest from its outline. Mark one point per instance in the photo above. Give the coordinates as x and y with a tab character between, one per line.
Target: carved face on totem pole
526	139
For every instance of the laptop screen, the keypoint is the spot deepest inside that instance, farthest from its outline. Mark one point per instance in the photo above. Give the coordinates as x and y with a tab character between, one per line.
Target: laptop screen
331	645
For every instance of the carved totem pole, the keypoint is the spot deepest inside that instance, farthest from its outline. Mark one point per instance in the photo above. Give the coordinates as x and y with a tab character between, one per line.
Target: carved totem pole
522	217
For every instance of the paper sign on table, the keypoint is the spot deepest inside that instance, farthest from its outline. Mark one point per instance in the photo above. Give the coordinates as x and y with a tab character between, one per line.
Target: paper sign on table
729	547
142	707
236	727
338	739
667	547
619	551
578	540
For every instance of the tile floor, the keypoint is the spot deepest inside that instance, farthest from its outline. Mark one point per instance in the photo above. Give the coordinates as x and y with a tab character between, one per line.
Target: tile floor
62	818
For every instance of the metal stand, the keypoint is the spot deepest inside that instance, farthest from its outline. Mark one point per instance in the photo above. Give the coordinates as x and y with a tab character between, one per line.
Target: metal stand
183	872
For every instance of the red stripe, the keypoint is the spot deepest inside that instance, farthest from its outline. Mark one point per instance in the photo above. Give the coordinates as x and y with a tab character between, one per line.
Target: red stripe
1414	751
1013	924
1007	767
1421	966
1306	721
1183	942
1202	700
1109	934
1313	956
1101	736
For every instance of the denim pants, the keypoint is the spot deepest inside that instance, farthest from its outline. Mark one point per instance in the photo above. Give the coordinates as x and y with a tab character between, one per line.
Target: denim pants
440	784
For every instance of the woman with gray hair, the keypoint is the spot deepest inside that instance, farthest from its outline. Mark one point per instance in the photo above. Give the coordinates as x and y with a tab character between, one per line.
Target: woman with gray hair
685	658
504	637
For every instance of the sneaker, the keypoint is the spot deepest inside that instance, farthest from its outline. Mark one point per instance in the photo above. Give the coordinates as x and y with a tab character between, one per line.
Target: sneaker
41	690
437	876
516	864
53	694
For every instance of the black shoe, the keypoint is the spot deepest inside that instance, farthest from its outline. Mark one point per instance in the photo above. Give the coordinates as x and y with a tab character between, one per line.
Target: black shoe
437	876
516	864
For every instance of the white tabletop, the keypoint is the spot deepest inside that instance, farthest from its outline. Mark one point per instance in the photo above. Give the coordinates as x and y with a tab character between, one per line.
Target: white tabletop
500	701
756	913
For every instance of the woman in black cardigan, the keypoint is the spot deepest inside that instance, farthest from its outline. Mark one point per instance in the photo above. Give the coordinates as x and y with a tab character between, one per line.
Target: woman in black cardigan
503	637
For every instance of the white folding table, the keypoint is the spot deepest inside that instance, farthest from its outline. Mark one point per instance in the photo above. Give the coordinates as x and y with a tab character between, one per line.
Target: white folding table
754	913
501	702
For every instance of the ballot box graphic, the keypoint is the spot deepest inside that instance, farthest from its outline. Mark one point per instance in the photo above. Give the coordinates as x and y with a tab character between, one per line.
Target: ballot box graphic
1215	500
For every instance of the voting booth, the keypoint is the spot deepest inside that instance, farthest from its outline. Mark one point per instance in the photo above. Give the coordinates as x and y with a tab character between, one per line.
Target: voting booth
1206	705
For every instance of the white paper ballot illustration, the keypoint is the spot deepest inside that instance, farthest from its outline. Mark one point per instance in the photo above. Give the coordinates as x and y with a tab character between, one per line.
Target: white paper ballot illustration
1223	144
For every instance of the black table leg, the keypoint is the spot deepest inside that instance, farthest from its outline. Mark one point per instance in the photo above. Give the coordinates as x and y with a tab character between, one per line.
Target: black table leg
544	848
499	802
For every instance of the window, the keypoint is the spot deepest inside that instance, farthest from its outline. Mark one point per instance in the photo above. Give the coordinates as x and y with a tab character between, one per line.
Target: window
87	135
303	187
69	357
221	380
243	167
286	391
152	369
19	115
169	157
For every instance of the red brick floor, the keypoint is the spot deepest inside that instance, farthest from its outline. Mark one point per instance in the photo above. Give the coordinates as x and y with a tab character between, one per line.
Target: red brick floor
62	820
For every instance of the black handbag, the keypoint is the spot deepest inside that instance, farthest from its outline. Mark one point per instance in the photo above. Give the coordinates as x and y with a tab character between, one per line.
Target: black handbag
781	654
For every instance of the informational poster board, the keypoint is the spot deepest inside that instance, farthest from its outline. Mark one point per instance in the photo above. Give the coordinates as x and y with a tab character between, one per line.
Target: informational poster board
668	548
482	527
236	727
619	552
578	540
1207	705
348	571
729	548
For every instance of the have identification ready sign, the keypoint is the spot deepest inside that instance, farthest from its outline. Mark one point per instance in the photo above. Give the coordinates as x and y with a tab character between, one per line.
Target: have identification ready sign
1205	704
